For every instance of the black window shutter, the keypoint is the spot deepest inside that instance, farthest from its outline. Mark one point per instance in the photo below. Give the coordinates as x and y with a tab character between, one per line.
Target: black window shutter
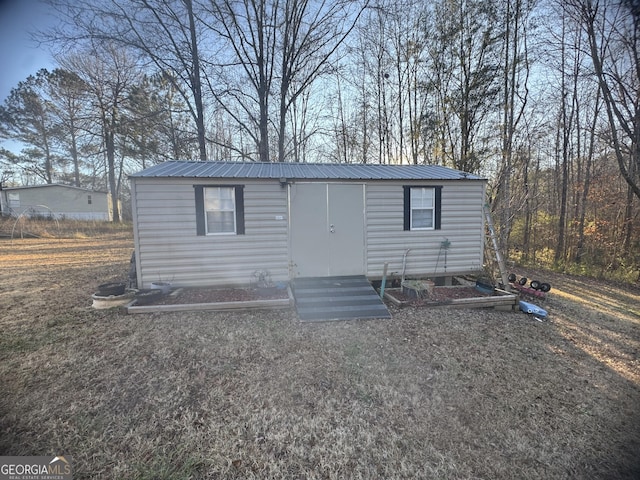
438	206
407	207
200	222
240	210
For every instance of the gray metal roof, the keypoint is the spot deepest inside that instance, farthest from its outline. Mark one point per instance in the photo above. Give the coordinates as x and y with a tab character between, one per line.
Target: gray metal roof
302	171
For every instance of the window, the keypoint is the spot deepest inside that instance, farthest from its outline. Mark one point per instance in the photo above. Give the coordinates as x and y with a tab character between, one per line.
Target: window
89	199
14	200
219	209
422	209
422	203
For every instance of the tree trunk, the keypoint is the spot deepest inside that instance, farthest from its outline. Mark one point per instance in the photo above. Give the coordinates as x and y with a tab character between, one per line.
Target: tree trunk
628	223
526	231
586	183
567	122
74	156
109	141
197	84
282	120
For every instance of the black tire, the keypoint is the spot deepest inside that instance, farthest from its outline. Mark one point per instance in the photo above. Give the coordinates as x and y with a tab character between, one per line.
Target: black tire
545	287
108	289
535	284
512	277
523	281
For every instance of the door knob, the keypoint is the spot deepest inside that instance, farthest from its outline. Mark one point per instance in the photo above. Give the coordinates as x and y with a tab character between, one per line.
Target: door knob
332	228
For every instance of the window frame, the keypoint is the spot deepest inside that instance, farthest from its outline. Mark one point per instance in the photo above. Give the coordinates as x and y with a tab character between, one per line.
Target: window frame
432	208
202	227
408	210
207	191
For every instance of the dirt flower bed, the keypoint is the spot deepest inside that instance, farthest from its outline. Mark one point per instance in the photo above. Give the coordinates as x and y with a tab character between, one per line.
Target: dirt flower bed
186	296
432	393
440	295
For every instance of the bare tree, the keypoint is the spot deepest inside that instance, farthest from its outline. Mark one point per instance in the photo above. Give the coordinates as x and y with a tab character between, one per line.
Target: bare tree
156	123
613	32
68	97
249	28
280	46
374	66
310	35
108	72
515	95
585	184
567	118
165	32
614	45
465	40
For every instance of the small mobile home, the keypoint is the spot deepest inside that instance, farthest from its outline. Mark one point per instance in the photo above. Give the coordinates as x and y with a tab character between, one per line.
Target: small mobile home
56	201
218	223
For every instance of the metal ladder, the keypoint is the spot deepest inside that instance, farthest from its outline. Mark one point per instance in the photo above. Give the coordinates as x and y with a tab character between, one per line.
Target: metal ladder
496	248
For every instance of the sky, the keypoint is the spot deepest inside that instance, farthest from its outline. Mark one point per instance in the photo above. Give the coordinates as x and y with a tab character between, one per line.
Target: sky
20	56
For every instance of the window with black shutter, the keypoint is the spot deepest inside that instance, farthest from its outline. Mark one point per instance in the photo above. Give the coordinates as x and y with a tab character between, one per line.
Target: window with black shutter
219	209
422	208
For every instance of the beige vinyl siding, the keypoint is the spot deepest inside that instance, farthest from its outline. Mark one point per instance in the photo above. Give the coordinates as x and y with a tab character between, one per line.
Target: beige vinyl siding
170	250
461	223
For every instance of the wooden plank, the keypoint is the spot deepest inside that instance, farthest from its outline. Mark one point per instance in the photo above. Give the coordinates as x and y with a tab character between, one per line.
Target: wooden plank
399	303
187	307
503	300
500	300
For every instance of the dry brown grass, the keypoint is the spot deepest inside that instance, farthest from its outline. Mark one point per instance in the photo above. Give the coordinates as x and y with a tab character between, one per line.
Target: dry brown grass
433	393
23	227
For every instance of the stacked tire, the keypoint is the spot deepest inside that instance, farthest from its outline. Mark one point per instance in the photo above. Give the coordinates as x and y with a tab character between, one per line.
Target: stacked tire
110	295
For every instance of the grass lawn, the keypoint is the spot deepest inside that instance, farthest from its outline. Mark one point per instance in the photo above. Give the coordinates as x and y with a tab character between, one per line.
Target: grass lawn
432	393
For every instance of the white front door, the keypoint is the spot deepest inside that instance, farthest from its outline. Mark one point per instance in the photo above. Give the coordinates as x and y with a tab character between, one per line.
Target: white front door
327	229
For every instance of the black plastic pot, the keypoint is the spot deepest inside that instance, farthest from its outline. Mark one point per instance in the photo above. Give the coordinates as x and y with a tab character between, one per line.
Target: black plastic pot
112	288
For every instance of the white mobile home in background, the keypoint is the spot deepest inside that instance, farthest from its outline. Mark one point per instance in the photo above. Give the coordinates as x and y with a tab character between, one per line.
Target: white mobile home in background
57	201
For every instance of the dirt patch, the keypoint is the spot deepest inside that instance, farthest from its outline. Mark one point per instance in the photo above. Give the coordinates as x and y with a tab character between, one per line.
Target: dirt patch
186	296
440	295
432	393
